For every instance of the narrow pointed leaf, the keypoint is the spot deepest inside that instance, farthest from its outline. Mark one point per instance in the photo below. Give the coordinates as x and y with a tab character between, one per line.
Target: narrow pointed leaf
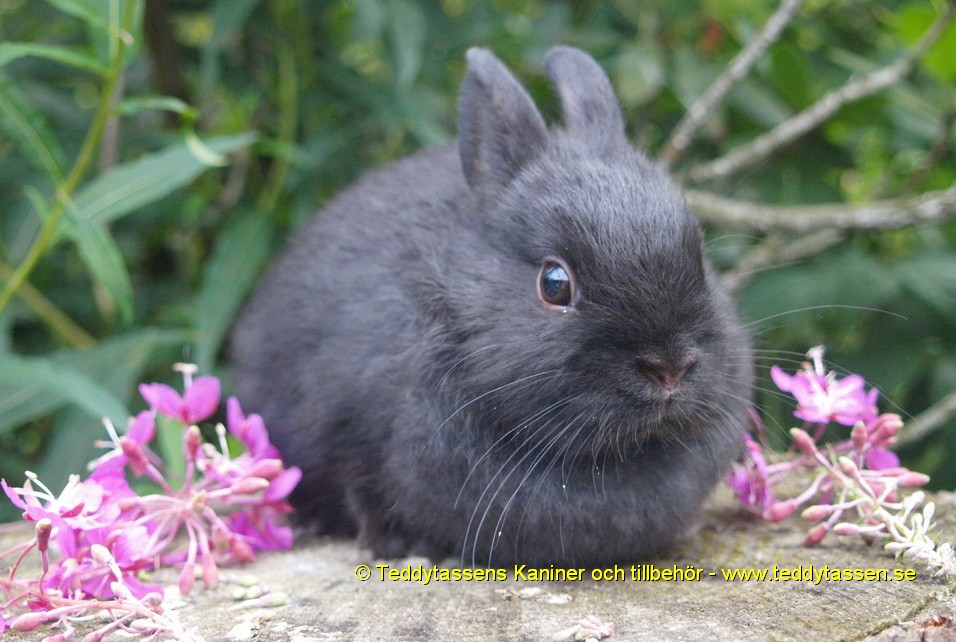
132	185
24	124
103	259
60	381
14	50
237	260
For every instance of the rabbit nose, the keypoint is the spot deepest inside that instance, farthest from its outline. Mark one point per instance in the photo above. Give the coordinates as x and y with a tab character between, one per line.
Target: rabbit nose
667	373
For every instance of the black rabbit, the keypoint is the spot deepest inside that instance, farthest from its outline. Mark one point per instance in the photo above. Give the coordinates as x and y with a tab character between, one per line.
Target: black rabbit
508	350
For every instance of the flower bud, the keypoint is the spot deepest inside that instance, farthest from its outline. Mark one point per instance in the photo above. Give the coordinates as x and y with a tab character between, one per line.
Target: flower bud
135	454
913	500
815	535
845	528
249	486
187	578
849	467
817	512
883	431
29	621
209	570
192	441
912	479
858	436
780	510
121	591
266	468
241	550
220	538
803	441
43	529
102	554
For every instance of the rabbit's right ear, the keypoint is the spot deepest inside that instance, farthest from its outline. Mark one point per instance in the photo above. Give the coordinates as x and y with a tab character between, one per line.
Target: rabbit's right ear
499	128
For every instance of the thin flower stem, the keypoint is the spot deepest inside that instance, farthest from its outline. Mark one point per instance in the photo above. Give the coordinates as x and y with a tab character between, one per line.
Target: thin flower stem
20	558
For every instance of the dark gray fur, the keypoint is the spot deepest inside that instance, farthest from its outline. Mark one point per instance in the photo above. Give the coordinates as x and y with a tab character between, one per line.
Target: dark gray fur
400	356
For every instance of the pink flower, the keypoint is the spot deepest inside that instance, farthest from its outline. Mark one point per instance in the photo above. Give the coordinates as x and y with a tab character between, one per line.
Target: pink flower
221	507
79	507
822	398
751	480
197	403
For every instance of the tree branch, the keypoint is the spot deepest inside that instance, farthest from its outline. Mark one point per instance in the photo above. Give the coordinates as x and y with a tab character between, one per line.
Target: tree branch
683	134
930	207
820	111
928	420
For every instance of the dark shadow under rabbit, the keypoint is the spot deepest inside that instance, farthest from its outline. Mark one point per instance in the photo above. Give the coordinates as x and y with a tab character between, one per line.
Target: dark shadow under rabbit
507	350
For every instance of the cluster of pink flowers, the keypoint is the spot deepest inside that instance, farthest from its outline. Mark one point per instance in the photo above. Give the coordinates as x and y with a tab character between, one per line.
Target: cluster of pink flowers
852	487
225	509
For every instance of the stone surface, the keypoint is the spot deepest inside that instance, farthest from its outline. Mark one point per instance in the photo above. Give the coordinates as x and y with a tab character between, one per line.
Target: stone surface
325	600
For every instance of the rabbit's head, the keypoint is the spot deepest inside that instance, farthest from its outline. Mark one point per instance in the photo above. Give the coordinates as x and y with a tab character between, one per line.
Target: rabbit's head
585	302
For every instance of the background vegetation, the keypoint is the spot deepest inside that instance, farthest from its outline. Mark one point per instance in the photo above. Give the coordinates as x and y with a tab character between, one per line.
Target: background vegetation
154	154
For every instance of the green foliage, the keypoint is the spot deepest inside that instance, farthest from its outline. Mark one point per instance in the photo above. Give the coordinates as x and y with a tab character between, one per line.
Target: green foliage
156	154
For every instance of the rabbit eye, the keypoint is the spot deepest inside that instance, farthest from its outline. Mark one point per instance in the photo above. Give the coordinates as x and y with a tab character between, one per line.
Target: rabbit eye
555	287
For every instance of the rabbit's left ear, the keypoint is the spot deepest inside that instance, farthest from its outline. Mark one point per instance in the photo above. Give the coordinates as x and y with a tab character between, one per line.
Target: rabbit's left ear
591	110
499	129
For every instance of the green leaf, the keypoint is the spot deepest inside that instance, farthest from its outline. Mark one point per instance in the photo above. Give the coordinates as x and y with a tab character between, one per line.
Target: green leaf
932	279
24	124
639	73
690	76
228	18
63	382
132	185
169	444
103	259
89	11
71	447
407	35
912	23
161	103
114	363
756	101
13	50
240	253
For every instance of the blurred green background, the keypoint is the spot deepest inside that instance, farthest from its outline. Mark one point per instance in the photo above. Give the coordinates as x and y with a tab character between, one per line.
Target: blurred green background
153	238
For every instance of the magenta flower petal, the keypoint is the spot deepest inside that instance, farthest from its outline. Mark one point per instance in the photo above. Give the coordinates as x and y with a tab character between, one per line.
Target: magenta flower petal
281	486
201	399
781	379
162	398
12	495
143	428
234	416
811	415
881	459
251	431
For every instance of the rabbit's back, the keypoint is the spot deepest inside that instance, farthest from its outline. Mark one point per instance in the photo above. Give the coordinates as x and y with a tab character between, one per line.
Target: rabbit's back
329	321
